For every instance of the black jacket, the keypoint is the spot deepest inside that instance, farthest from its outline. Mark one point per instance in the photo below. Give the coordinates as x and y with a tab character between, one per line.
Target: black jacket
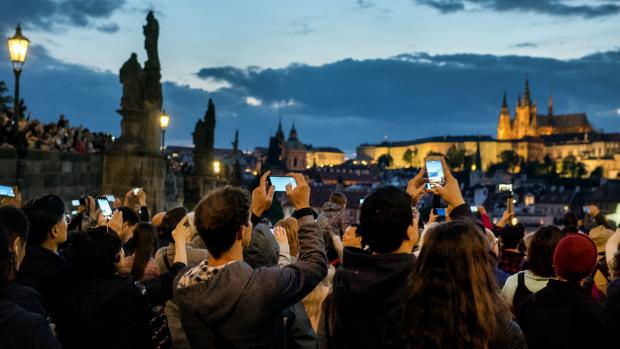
26	297
52	276
564	315
20	329
613	301
114	311
364	308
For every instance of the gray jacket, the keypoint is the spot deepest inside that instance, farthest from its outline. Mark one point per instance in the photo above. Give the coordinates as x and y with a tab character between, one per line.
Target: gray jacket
242	307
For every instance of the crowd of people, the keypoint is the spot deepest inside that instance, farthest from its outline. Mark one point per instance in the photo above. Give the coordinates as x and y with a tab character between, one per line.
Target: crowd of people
54	136
223	276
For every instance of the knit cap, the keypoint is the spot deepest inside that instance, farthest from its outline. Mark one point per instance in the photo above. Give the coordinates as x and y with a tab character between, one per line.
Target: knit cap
574	257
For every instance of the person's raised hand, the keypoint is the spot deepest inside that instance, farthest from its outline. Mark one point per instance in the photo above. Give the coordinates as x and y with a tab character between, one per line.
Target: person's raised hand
128	196
15	201
299	196
116	222
432	217
415	187
261	196
280	234
450	192
594	211
181	231
142	197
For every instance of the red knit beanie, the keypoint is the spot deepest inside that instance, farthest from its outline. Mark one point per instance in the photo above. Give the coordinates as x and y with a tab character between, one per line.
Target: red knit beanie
574	257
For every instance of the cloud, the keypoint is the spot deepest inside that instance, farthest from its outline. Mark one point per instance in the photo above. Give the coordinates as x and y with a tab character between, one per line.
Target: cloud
301	28
548	7
55	14
363	4
108	28
343	103
525	45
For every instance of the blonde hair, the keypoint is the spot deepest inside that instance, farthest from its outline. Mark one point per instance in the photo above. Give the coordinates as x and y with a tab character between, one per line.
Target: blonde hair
314	300
291	226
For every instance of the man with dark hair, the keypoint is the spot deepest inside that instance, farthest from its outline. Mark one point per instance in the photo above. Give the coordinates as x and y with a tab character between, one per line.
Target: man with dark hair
43	268
130	222
364	308
511	258
226	303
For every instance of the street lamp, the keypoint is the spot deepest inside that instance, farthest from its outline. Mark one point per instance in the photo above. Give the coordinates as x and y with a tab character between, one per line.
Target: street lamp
18	47
217	167
164	120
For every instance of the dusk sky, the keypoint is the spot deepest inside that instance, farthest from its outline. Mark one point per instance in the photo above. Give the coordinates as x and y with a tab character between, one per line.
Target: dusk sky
346	71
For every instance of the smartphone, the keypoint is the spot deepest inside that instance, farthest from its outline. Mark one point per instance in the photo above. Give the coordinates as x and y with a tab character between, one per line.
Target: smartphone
75	203
280	182
586	209
514	221
473	209
136	191
74	212
361	201
440	212
110	198
104	205
434	171
7	191
502	188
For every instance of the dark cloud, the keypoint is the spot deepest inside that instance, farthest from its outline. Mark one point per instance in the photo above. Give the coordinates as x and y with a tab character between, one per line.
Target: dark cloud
525	45
548	7
53	14
344	103
108	28
364	4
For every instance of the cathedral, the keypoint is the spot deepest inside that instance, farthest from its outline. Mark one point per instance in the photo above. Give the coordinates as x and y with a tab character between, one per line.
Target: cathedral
528	123
286	154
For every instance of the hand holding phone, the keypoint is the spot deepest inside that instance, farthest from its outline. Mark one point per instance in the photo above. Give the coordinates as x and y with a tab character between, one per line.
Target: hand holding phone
434	171
104	205
441	212
7	191
280	182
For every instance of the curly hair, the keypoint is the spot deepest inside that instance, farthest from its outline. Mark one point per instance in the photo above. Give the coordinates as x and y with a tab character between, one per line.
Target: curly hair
451	295
220	215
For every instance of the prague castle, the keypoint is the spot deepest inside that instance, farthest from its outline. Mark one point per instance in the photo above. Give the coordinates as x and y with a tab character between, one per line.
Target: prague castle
527	121
531	135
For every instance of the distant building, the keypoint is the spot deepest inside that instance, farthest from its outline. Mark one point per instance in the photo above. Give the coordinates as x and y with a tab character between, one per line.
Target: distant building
323	156
531	135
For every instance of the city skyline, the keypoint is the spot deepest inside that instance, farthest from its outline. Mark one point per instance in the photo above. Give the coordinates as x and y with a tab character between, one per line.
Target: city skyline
403	69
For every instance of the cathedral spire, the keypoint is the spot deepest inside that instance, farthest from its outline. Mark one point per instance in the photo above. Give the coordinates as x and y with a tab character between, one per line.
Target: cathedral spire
526	94
551	104
504	103
519	100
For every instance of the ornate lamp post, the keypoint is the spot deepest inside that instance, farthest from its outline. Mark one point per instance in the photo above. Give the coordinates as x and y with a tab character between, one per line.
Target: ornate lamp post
164	120
18	47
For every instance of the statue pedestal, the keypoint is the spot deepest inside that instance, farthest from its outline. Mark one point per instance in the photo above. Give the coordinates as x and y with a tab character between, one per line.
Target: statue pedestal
140	132
123	171
195	187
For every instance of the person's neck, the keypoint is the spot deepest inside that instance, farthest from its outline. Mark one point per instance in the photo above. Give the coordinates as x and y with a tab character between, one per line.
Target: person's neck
50	245
234	254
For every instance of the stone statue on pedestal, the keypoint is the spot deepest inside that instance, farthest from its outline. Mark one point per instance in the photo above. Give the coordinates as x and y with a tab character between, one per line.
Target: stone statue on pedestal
132	78
152	76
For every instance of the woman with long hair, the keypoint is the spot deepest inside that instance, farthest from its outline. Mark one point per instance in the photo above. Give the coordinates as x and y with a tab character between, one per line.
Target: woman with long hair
141	264
452	299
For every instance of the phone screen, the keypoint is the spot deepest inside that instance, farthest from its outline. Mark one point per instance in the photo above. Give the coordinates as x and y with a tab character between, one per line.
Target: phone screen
136	191
473	208
586	209
104	205
281	182
441	212
7	191
505	187
75	203
435	173
110	198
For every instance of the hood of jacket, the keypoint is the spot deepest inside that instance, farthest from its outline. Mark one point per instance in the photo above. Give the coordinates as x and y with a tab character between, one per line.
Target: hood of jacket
214	299
373	280
8	311
263	250
331	207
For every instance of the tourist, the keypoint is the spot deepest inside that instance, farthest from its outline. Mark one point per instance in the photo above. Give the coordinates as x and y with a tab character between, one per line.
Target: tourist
140	265
43	268
451	295
613	290
15	226
108	310
226	303
511	238
130	222
333	224
20	328
352	237
563	314
599	279
164	258
363	308
540	267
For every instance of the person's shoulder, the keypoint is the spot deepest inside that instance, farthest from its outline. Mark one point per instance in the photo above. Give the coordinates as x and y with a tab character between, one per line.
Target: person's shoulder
508	334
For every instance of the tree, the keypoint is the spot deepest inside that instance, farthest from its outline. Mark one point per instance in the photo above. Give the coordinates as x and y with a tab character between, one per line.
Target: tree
5	100
409	155
455	157
385	160
236	178
549	166
597	172
573	168
510	159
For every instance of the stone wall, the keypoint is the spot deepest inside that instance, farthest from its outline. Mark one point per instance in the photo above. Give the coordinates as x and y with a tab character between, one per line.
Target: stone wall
39	172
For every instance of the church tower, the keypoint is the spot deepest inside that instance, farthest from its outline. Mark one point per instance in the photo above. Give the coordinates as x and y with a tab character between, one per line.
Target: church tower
504	127
525	123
